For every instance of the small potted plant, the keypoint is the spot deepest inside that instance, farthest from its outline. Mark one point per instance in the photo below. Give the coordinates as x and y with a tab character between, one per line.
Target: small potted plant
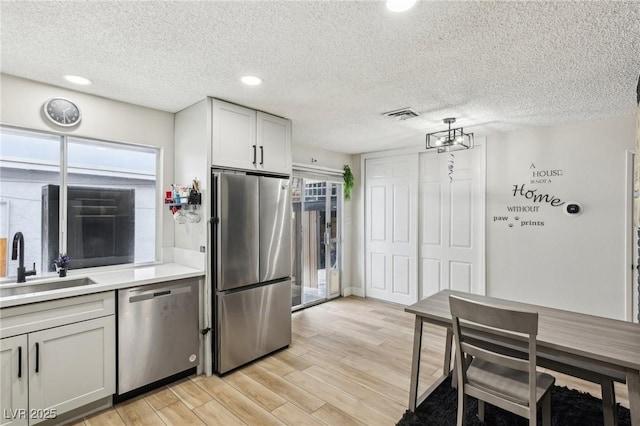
62	263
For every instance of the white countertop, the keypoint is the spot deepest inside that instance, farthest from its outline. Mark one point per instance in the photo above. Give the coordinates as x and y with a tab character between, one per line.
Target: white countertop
105	281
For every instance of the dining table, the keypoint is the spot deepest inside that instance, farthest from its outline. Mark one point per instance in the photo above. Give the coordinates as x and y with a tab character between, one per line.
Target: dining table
597	349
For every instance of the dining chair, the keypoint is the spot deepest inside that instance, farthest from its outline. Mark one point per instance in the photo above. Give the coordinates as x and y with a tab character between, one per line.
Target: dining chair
506	379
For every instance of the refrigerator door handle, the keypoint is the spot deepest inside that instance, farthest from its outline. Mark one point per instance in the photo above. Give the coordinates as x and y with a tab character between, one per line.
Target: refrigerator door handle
214	231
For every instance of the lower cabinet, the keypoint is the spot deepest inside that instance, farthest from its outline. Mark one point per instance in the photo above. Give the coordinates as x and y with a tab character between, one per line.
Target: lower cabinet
49	372
14	396
71	366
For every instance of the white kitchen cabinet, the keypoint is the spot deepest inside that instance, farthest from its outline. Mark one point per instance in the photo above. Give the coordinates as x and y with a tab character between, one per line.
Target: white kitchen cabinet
72	365
233	136
14	396
242	138
68	357
274	143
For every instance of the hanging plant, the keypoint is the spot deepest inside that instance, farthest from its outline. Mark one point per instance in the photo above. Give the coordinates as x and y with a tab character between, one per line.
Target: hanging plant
348	182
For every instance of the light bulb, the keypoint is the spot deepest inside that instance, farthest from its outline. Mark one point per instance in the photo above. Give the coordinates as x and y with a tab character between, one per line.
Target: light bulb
251	80
400	5
76	79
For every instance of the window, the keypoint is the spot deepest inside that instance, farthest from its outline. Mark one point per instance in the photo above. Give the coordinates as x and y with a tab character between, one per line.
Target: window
28	162
98	205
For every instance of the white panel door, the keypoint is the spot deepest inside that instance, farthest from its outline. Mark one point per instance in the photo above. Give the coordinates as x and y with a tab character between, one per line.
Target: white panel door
451	222
391	228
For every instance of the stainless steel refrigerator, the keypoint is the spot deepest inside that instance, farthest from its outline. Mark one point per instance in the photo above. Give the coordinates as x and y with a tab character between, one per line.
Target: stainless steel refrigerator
251	267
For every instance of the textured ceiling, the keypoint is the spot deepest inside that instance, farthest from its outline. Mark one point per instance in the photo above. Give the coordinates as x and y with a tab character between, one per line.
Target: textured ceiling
334	67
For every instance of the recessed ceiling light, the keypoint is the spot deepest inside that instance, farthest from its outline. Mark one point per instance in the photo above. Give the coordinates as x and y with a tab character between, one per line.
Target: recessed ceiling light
251	80
75	79
400	5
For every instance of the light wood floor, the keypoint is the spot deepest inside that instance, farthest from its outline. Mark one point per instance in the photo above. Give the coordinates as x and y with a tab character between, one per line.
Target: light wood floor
349	364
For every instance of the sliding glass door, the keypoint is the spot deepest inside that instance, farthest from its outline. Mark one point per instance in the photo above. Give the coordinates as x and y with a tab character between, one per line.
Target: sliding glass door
317	228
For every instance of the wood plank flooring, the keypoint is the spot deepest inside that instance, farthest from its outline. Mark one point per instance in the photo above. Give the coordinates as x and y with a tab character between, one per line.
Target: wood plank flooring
349	364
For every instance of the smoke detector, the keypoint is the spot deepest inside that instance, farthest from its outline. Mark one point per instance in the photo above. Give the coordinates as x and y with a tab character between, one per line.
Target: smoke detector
401	114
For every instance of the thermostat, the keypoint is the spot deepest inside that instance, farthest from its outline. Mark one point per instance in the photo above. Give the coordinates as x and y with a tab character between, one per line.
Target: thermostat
573	209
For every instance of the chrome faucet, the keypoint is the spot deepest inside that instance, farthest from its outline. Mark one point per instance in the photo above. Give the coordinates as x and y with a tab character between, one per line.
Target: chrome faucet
18	240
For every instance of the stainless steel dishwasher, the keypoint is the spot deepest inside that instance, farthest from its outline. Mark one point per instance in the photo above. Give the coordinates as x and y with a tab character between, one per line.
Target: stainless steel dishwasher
157	332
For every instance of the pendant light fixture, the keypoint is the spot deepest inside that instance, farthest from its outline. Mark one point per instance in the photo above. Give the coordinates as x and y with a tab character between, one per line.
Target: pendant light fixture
451	139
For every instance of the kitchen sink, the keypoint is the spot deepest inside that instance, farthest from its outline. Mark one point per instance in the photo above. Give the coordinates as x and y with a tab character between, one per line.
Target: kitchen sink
35	288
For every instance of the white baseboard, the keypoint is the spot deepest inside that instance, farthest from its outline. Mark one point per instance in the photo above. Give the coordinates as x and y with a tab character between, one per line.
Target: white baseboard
357	291
353	291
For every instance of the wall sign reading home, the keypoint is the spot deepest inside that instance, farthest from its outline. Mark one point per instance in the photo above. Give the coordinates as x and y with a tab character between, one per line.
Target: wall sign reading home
535	196
531	200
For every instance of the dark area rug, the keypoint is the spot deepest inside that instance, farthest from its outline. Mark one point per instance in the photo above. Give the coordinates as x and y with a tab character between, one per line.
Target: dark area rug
568	408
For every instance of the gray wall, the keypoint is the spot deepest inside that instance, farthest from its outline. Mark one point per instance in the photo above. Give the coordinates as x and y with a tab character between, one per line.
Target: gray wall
575	263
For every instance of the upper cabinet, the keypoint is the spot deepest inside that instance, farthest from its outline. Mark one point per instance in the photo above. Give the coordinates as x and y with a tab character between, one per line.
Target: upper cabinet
243	138
274	143
233	136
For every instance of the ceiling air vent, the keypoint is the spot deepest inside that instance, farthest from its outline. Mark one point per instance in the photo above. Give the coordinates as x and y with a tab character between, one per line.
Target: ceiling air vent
401	114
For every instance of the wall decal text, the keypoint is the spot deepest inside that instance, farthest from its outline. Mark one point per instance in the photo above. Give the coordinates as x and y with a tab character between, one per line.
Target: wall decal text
533	195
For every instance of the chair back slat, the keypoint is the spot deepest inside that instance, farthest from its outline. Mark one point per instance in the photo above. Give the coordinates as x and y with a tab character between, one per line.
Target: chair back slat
496	358
505	319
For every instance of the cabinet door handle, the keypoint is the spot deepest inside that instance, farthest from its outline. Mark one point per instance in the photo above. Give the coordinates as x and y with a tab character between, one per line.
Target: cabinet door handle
19	362
261	155
37	357
254	155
